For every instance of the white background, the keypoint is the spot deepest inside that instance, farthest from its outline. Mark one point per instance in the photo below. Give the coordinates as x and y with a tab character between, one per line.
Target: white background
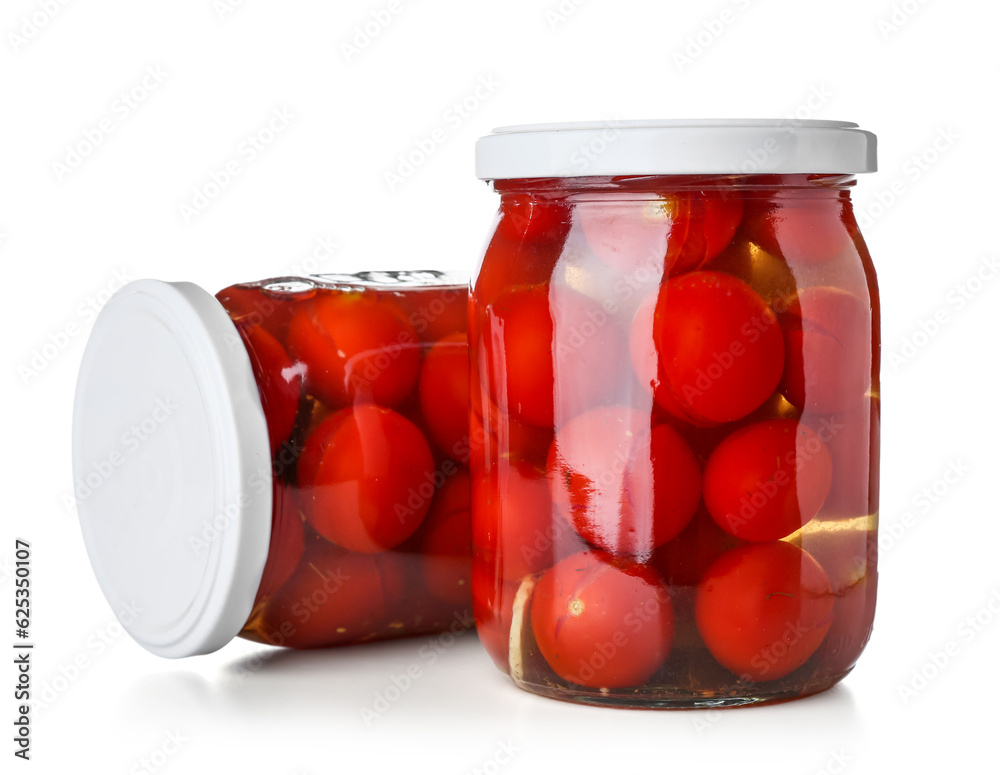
923	77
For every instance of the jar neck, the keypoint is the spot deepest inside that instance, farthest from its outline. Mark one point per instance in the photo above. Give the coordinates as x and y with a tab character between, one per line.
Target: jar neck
582	189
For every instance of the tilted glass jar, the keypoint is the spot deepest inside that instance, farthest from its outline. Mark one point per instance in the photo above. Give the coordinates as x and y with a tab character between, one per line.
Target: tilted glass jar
675	356
286	461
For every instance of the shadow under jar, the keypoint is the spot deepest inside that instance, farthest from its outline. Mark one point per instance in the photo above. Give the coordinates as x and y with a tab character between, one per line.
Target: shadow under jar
675	357
290	460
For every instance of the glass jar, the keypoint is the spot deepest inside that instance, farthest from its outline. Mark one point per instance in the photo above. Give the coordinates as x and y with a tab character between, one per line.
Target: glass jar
675	356
286	461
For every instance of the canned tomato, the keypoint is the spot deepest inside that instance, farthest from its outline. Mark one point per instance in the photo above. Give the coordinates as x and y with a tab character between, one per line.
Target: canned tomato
675	354
286	461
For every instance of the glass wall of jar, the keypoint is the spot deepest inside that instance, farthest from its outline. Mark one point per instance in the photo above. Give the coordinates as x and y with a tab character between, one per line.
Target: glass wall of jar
677	379
303	481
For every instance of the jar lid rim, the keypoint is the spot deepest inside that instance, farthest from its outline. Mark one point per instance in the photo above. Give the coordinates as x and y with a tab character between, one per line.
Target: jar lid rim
668	123
675	147
172	467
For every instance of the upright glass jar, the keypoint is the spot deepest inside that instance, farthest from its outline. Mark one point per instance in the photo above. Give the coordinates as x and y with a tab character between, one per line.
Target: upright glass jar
674	339
286	462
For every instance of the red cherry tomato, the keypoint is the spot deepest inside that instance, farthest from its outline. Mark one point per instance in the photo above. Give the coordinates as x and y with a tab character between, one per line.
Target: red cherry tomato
444	392
501	432
828	349
715	217
630	234
802	231
525	495
566	342
590	353
666	469
515	519
435	312
279	382
356	348
677	232
454	494
525	217
624	488
525	378
763	609
446	549
333	597
601	623
319	433
717	352
588	470
362	472
509	264
287	541
765	481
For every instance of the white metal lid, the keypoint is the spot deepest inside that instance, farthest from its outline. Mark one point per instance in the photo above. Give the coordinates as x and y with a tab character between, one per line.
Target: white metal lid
676	147
172	467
